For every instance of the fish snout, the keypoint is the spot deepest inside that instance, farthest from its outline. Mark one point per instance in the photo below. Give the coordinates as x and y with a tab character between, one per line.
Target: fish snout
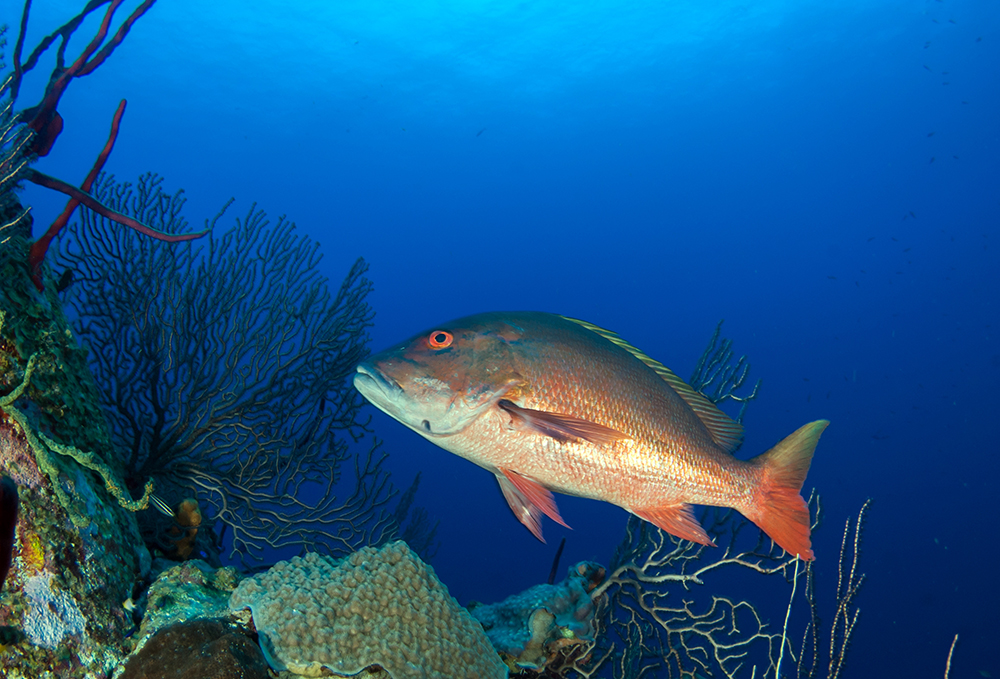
369	380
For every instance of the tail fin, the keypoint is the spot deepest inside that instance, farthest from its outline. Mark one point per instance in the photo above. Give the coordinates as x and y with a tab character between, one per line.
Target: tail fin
779	509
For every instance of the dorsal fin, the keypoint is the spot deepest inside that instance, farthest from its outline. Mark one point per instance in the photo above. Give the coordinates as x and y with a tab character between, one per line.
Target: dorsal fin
726	432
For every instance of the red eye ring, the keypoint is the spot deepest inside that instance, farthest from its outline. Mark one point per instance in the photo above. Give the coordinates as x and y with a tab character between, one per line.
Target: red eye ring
439	339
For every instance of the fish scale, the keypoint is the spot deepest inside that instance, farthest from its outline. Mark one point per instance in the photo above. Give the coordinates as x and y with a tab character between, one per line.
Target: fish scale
552	404
668	443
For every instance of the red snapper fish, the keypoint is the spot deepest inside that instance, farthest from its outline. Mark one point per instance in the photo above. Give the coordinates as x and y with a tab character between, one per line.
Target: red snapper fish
553	404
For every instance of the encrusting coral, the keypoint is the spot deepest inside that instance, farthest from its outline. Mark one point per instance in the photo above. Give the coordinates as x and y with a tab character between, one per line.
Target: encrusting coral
378	607
187	591
535	627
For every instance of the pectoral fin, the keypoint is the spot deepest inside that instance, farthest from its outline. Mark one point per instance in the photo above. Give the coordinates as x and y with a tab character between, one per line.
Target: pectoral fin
560	427
677	520
529	500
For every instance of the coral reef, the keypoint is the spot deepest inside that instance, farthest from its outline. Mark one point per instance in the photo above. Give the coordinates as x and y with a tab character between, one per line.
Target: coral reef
66	609
538	626
381	607
243	411
77	552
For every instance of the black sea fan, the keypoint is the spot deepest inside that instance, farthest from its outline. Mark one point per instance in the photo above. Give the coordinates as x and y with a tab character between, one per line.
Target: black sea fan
223	366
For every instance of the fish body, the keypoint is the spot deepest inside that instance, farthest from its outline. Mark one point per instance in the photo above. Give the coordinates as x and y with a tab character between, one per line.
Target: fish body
552	404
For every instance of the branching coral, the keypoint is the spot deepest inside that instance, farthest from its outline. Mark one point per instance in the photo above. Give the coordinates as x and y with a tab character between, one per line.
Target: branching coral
223	366
15	140
651	605
845	617
719	378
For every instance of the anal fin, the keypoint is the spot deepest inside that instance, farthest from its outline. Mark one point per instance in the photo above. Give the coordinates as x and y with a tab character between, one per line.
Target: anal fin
677	520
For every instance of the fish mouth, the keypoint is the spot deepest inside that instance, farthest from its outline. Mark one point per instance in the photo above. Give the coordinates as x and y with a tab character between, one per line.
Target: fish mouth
372	382
386	394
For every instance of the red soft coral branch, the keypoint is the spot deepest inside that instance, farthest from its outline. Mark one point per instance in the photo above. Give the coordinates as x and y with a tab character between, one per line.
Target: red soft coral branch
47	123
43	118
36	254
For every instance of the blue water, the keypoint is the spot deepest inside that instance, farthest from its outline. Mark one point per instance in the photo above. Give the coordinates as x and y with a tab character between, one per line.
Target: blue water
822	175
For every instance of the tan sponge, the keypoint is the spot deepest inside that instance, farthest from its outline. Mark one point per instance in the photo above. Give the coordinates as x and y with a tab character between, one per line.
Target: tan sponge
381	607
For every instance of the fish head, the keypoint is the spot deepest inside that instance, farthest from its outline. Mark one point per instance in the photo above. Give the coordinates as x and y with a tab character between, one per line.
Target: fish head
440	381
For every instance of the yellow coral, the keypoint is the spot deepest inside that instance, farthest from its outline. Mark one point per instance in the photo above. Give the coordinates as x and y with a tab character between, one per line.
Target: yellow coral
32	554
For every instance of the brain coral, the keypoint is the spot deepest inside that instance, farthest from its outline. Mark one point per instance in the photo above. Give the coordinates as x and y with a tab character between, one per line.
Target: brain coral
380	607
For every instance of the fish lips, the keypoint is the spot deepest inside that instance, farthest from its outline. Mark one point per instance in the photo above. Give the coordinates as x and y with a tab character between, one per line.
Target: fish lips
387	395
375	385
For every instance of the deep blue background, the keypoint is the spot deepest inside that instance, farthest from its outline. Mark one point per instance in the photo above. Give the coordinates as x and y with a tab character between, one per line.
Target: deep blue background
823	175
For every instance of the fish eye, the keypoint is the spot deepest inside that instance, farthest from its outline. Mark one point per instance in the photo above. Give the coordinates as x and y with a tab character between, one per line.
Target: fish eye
439	339
426	425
